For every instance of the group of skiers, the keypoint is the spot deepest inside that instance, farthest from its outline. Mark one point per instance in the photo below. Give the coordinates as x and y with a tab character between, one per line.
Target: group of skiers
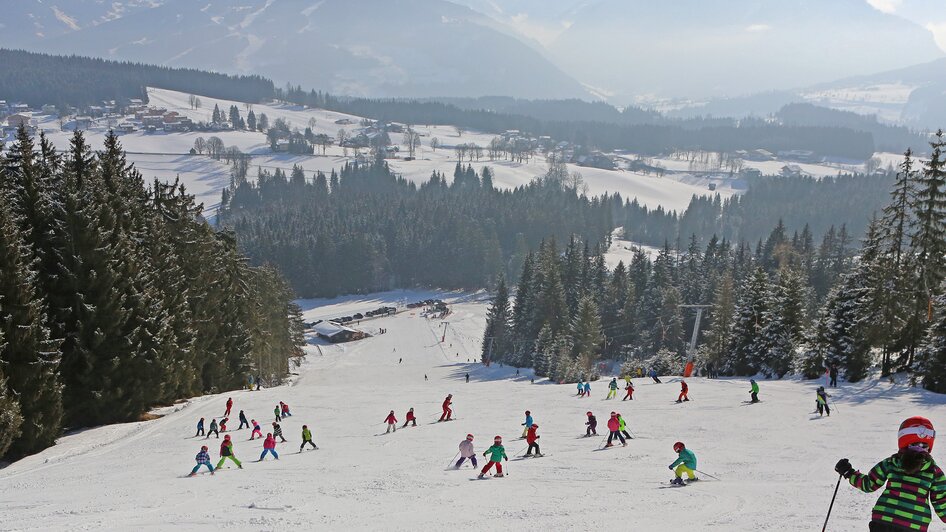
281	412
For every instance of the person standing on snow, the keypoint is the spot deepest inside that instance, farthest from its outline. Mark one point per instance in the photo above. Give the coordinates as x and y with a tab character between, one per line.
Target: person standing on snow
821	401
612	388
467	377
213	429
447	412
284	409
200	428
277	432
276	412
587	388
257	431
622	426
226	451
592	425
229	406
532	439
307	438
409	418
527	424
683	392
833	373
754	391
392	423
614	425
466	452
581	389
497	453
630	391
685	463
911	478
269	446
203	458
243	421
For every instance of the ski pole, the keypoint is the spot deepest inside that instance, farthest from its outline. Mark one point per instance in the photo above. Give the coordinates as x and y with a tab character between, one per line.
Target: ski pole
454	458
825	527
706	474
519	452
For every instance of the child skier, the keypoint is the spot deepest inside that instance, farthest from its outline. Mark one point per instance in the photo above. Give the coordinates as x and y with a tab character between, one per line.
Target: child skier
277	432
243	421
203	458
911	479
269	446
614	425
226	451
466	452
496	453
284	409
276	412
592	425
622	426
213	429
392	423
581	389
307	438
409	418
223	424
630	391
447	412
527	424
257	431
754	391
200	428
532	440
683	392
229	406
587	388
685	463
612	388
821	401
653	375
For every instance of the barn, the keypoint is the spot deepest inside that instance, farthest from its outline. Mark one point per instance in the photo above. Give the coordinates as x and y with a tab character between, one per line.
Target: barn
337	333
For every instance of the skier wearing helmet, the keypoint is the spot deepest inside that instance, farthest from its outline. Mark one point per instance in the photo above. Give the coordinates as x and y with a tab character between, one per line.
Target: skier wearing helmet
685	463
592	425
203	458
532	439
226	451
912	481
466	452
614	425
392	422
447	412
527	424
497	453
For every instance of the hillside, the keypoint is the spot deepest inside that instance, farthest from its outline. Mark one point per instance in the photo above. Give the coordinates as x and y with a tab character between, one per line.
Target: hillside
775	459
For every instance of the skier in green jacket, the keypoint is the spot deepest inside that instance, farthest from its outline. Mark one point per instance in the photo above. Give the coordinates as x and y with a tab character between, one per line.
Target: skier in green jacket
754	391
497	453
685	463
307	438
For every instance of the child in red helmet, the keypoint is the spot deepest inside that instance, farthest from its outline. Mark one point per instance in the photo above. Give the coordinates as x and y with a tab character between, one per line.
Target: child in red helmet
532	439
203	458
685	463
497	453
226	451
683	392
466	452
614	425
592	425
257	431
392	422
911	478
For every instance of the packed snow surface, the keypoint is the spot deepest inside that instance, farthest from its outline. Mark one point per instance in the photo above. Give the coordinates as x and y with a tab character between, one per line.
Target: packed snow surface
774	460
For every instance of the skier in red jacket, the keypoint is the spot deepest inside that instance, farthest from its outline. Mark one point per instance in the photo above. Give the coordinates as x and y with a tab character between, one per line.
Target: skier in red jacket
409	418
447	412
392	423
532	438
683	392
229	406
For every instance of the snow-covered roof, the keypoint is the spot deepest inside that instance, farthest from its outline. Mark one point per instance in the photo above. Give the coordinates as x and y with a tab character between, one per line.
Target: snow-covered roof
327	328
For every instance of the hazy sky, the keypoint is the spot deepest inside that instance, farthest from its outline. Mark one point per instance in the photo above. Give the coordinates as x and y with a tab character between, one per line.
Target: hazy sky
930	14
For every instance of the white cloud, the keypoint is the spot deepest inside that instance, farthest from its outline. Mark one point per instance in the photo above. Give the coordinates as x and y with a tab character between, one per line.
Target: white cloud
939	33
887	6
758	28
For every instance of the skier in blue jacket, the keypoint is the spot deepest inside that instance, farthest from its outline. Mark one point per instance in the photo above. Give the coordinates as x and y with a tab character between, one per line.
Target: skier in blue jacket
527	424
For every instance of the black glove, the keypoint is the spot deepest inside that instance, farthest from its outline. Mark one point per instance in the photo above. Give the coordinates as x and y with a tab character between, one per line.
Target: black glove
844	468
670	468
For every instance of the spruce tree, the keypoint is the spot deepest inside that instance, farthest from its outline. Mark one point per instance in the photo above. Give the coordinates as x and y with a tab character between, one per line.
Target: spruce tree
721	322
931	358
751	312
496	338
586	333
10	417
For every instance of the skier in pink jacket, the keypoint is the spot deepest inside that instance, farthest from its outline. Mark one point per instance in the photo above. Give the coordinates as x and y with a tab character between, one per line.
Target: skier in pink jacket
269	446
614	425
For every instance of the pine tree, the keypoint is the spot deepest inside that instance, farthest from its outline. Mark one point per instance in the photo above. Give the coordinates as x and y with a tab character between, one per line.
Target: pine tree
10	417
543	352
216	117
844	343
931	357
497	337
586	333
721	324
749	321
783	329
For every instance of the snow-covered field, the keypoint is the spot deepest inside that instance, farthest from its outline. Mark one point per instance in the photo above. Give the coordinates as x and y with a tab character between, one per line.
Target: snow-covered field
775	459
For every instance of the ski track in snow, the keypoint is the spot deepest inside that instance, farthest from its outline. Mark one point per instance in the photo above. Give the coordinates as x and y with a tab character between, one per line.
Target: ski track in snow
775	460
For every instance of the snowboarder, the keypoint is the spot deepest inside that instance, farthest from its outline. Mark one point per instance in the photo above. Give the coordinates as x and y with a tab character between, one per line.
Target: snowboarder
833	373
447	412
497	453
223	424
243	421
466	452
307	438
527	424
269	446
284	409
226	451
277	432
612	388
581	389
587	388
821	401
630	391
409	418
392	423
622	426
213	429
685	463
200	428
754	391
467	377
203	458
683	392
257	431
229	406
653	375
592	425
276	412
614	425
911	481
532	439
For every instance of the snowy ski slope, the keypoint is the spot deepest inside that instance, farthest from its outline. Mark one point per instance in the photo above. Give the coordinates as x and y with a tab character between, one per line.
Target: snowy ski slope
775	459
